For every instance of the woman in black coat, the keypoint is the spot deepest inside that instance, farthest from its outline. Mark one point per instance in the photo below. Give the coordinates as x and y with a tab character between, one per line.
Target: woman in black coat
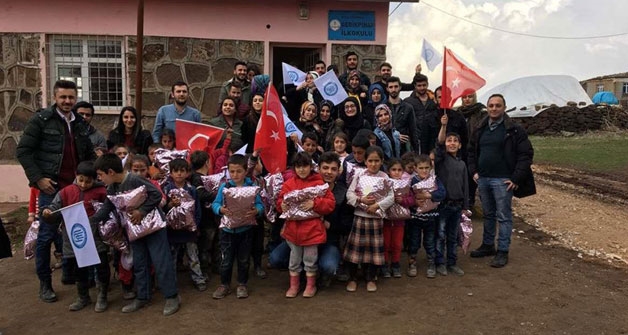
130	133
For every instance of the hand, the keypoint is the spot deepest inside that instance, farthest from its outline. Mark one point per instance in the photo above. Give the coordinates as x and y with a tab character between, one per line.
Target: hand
306	206
372	208
158	175
362	95
418	68
327	224
256	152
476	177
398	199
31	219
444	119
423	195
46	185
46	213
302	86
225	211
99	152
251	213
295	138
229	132
404	138
511	186
136	216
367	200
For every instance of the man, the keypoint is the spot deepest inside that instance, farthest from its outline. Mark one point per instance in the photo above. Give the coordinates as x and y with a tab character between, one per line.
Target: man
500	156
54	142
385	72
432	123
166	115
86	110
320	67
424	109
235	93
351	63
403	117
240	76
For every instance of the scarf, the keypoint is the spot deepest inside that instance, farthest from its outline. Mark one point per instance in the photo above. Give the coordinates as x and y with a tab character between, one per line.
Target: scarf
352	123
384	126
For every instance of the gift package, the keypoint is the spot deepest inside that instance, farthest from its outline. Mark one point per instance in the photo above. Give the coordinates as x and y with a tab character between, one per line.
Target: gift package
294	199
377	187
401	188
182	217
240	201
464	233
273	184
30	240
352	171
111	231
125	203
429	185
163	157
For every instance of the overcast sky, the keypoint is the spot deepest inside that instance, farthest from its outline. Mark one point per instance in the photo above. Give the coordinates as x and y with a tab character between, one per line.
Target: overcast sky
499	57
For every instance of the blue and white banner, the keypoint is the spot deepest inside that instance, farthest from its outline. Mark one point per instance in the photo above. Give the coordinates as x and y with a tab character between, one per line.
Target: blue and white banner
292	75
330	88
80	234
290	127
431	55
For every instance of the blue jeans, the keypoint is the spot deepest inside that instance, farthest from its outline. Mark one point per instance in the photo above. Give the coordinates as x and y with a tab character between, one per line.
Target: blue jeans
48	233
328	259
448	225
497	207
421	229
235	246
154	249
279	257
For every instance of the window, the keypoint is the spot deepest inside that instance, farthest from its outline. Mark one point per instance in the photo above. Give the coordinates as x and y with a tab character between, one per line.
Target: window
600	87
95	63
624	89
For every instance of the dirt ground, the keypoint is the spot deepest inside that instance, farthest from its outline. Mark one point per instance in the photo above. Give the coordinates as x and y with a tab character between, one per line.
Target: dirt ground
567	275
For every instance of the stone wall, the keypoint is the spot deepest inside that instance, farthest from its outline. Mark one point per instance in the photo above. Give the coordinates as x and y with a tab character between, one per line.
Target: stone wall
20	87
555	120
369	57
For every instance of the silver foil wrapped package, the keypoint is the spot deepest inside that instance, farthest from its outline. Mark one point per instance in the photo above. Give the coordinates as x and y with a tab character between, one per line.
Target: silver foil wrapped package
294	199
464	233
213	181
111	231
273	184
163	158
125	203
429	185
401	188
378	187
239	200
352	171
30	240
182	217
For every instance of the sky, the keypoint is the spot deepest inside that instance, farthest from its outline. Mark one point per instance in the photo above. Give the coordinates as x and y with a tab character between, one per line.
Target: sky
500	57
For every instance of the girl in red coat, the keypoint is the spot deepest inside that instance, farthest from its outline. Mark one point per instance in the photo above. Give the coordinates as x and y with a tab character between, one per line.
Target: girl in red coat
304	236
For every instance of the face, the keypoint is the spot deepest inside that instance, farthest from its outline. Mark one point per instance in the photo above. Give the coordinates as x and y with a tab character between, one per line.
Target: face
65	98
303	171
372	140
358	154
423	170
421	87
309	113
320	69
86	113
468	100
351	109
373	163
151	154
179	176
309	78
496	108
139	168
437	96
393	89
237	173
106	177
432	157
340	146
352	62
240	72
228	107
329	171
122	152
180	94
258	103
250	75
167	142
354	82
385	72
452	145
410	168
325	113
235	92
84	182
395	171
383	117
309	146
128	118
376	96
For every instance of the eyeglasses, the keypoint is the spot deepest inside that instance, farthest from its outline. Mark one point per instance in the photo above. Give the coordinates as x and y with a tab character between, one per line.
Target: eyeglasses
350	107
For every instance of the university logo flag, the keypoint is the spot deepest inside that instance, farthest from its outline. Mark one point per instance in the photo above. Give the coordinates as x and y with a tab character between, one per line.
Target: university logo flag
330	88
196	136
431	56
291	128
292	75
80	234
270	135
458	80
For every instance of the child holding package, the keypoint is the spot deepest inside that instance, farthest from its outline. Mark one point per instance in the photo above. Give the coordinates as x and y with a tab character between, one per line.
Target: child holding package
84	189
235	243
304	236
152	248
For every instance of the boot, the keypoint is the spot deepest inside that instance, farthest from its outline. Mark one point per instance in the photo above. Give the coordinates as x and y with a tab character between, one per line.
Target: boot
483	251
127	292
46	293
101	301
294	285
83	298
310	287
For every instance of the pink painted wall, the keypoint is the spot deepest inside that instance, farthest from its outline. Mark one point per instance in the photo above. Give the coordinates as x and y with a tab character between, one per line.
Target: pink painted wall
210	19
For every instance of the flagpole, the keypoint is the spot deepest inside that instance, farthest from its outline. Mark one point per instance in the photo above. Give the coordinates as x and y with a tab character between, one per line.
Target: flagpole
66	207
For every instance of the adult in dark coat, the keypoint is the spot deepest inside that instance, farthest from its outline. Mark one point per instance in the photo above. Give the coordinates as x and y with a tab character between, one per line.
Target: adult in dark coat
473	112
130	133
403	116
352	118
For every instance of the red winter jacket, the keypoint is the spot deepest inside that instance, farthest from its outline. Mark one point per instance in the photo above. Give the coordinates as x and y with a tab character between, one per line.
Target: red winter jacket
311	231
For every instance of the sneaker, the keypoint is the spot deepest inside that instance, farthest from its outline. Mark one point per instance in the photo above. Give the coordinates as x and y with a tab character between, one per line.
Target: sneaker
134	306
242	292
221	292
455	269
260	273
172	305
441	269
412	270
500	260
352	286
484	250
386	272
201	287
396	272
431	271
371	286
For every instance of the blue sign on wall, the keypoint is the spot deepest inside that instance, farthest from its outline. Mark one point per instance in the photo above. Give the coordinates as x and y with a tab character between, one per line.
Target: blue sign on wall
347	25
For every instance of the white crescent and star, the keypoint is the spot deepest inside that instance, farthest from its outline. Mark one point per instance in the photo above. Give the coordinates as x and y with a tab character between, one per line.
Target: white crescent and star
455	82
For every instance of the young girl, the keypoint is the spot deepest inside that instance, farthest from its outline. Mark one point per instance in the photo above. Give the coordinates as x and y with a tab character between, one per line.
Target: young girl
167	139
340	145
366	241
393	229
304	236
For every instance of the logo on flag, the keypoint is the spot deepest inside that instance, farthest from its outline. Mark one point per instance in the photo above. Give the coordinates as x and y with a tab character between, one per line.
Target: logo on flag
431	56
79	235
292	75
331	88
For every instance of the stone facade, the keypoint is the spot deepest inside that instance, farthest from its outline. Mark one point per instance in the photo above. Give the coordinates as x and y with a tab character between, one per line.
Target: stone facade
20	87
369	57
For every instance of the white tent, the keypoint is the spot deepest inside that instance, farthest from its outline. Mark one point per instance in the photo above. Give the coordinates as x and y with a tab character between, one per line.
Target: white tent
534	91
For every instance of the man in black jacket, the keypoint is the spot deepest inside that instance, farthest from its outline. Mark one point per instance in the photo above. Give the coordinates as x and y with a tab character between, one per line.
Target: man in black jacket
403	117
425	109
500	156
54	142
351	62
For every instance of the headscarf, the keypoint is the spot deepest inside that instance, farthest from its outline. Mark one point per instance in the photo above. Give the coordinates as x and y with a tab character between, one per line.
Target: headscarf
325	125
304	106
352	123
388	125
310	95
377	86
353	73
260	84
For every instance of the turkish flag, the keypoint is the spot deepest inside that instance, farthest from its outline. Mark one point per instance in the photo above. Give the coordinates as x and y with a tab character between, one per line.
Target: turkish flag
270	135
458	80
196	136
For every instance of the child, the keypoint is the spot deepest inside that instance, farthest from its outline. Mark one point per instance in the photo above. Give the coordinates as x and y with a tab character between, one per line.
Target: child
122	151
235	243
254	171
365	244
408	161
359	144
394	229
340	145
149	249
423	223
310	145
167	139
304	236
86	190
183	239
153	170
452	171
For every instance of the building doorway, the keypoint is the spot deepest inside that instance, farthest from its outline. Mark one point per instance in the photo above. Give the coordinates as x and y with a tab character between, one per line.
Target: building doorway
302	58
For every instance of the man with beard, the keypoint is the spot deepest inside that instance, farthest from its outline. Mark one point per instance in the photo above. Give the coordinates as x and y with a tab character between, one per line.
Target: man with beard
351	62
240	76
385	72
424	108
166	115
403	117
320	67
86	110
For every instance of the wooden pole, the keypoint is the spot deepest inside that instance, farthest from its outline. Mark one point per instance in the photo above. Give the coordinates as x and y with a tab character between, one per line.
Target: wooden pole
139	59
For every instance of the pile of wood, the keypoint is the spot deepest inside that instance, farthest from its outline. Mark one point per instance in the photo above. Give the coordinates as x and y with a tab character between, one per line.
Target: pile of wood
554	120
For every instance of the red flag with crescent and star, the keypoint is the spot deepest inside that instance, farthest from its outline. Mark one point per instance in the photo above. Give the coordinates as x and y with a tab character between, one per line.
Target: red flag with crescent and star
196	136
458	80
270	135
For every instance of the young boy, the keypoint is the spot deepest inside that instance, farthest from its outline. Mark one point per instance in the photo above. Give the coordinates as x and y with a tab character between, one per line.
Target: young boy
183	239
423	224
235	243
310	145
153	247
359	144
452	171
153	170
86	190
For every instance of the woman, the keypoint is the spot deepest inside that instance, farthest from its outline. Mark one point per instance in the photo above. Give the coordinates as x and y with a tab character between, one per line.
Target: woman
307	119
297	95
472	110
376	96
130	133
249	125
326	122
351	115
355	89
227	120
387	135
